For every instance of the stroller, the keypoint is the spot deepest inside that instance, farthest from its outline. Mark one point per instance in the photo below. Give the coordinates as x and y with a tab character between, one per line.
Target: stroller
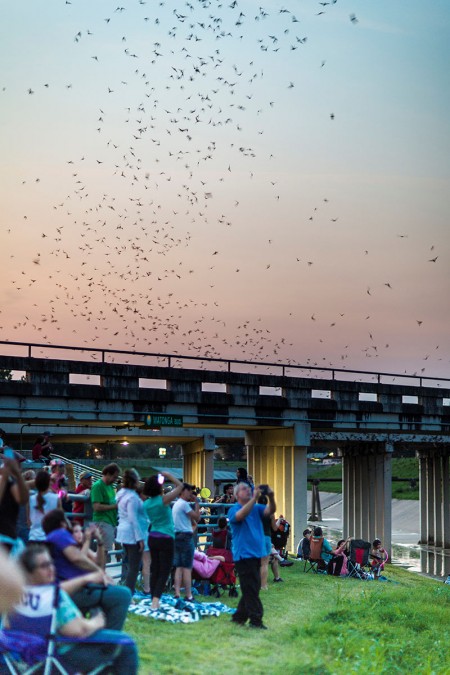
221	579
358	559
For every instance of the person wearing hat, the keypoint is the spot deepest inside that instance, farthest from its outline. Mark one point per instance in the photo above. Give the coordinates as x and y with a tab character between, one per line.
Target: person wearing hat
83	488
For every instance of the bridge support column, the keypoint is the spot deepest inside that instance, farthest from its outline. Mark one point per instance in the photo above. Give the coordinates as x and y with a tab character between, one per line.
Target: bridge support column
279	457
367	492
434	480
198	462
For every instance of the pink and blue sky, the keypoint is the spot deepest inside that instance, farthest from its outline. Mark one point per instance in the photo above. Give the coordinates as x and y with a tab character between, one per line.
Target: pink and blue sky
256	181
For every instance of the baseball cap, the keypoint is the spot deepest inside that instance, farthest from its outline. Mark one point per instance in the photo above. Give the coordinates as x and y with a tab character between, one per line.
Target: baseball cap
86	474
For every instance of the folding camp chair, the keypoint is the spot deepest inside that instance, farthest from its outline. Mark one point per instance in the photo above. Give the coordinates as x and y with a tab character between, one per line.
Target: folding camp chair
315	562
30	644
358	559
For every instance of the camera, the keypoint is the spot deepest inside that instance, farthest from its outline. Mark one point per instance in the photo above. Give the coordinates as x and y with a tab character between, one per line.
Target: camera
264	489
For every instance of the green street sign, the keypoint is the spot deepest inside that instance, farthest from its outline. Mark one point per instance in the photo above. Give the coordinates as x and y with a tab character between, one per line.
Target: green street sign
163	420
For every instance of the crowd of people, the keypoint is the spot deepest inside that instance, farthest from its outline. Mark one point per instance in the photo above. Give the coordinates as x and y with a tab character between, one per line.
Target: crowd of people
150	529
334	561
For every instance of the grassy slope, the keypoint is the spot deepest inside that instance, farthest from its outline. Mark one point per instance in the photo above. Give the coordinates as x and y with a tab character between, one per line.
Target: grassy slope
318	625
405	467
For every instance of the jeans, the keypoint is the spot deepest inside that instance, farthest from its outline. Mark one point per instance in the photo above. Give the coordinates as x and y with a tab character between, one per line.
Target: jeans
161	551
113	601
82	657
134	557
250	606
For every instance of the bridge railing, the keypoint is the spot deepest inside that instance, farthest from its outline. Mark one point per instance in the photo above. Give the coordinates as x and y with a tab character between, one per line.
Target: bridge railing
291	368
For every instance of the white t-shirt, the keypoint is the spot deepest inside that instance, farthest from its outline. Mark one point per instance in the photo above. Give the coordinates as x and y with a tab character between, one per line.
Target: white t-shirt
181	521
36	516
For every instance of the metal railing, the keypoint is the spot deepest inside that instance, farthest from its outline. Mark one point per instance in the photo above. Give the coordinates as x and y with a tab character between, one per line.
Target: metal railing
176	360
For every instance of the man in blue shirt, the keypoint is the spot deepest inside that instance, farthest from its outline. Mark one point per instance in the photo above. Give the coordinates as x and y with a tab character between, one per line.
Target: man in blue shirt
248	547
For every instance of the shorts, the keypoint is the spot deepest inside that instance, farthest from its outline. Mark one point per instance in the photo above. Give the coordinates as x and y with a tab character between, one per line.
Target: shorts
184	550
268	544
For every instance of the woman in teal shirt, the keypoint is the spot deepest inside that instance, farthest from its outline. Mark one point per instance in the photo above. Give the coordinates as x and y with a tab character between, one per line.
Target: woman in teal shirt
161	536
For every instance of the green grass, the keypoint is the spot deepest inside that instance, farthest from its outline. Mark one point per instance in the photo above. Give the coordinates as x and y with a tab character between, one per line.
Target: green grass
405	467
318	625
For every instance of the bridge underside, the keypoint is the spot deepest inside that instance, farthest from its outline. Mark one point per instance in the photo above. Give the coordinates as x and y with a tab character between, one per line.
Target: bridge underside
277	417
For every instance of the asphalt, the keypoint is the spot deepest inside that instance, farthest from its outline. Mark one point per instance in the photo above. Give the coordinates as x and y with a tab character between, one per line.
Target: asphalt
405	517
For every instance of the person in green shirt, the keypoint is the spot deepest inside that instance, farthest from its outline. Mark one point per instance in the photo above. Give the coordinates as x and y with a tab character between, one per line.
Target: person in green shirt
162	534
104	506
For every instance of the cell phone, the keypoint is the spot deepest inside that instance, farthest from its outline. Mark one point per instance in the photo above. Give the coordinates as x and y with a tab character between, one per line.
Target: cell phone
160	479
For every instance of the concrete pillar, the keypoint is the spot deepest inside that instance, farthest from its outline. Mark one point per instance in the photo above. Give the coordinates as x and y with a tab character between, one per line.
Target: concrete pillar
198	462
279	457
429	501
423	499
367	493
434	499
437	500
445	502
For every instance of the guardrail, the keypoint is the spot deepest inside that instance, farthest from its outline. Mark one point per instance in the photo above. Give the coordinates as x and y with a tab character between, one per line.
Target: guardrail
171	360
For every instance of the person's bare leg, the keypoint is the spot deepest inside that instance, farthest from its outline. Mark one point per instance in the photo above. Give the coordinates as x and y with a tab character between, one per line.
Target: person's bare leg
275	568
264	572
177	581
187	579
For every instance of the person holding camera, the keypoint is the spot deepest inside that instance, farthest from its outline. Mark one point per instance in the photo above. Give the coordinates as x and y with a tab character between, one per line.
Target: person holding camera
248	546
162	534
184	518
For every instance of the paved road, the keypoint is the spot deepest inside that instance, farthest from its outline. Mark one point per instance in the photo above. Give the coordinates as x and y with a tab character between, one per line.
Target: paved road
405	517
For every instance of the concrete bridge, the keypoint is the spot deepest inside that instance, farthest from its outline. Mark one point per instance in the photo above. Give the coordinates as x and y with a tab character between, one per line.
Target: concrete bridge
280	412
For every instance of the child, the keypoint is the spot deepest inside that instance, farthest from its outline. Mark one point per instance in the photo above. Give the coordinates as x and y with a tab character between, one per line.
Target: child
378	557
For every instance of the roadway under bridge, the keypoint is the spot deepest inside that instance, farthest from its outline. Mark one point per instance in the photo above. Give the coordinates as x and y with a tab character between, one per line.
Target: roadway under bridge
279	411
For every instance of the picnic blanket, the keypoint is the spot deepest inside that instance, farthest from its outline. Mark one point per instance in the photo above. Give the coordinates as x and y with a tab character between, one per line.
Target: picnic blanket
179	611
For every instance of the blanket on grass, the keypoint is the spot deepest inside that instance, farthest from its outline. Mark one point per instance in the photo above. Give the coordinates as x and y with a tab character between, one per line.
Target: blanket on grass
179	611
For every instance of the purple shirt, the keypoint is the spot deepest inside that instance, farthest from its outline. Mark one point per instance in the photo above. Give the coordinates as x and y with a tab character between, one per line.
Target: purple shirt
59	540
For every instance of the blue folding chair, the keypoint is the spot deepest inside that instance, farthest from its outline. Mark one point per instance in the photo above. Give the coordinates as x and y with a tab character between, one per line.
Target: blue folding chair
30	643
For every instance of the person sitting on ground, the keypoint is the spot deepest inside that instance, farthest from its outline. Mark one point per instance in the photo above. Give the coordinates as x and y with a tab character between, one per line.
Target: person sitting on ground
71	562
304	546
337	566
206	565
41	502
36	608
378	556
326	551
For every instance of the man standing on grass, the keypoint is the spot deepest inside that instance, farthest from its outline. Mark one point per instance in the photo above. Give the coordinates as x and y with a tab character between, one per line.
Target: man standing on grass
103	498
248	548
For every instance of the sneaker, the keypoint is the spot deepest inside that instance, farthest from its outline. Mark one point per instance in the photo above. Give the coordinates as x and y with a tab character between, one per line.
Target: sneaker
191	599
277	581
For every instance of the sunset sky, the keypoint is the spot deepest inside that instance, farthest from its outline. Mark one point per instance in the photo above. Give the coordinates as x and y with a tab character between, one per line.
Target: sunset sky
245	179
